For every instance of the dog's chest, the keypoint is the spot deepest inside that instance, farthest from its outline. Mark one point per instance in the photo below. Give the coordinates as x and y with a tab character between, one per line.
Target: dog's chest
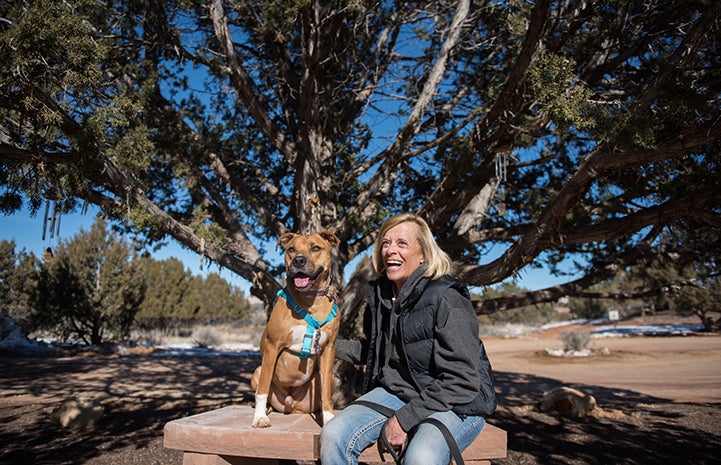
298	335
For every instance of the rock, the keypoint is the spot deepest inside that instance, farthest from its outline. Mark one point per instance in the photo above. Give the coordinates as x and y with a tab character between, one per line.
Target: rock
78	413
568	402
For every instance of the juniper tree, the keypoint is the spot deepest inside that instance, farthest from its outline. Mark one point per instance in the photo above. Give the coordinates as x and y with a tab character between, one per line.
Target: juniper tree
92	288
546	130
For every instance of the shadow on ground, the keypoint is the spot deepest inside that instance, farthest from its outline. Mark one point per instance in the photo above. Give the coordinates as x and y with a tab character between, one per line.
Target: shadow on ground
142	393
633	429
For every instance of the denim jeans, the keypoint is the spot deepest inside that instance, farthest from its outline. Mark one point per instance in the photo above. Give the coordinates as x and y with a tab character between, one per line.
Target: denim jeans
357	426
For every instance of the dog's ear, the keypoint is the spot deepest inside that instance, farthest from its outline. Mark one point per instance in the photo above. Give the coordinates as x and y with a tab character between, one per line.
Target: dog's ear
284	239
329	237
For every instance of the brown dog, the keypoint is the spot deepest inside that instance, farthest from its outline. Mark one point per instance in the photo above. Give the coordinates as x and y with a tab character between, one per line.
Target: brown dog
298	344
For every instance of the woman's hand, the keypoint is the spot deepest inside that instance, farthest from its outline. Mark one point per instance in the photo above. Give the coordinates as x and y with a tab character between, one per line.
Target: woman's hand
395	434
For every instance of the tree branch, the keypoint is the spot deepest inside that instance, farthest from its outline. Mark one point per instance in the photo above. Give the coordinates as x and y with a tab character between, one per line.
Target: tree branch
11	153
437	209
243	84
548	224
382	181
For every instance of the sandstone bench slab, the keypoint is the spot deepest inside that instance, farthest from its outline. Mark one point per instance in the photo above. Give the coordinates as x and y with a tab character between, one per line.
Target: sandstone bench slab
225	437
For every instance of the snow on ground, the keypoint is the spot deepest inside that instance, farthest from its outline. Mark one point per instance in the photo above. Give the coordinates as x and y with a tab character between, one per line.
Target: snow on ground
12	338
182	349
620	330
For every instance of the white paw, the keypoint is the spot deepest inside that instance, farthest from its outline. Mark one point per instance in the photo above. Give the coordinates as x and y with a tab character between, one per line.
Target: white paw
260	415
261	421
327	416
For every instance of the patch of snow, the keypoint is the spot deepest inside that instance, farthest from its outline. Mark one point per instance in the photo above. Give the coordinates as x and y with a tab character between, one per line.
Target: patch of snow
187	349
558	324
682	329
12	338
568	353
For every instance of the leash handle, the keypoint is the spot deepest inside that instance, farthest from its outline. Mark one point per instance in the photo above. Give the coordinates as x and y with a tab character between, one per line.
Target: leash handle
387	447
383	445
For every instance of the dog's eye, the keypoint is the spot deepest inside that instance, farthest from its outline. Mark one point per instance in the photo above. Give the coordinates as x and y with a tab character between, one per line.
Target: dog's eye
317	248
290	249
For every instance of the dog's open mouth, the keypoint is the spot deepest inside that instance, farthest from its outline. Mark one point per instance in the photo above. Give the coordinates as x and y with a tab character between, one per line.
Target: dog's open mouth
303	281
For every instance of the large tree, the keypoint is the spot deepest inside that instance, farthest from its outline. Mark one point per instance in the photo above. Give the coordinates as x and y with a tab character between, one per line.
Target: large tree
548	129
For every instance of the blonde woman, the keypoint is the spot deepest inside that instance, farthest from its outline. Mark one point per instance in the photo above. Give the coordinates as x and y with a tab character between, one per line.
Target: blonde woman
428	382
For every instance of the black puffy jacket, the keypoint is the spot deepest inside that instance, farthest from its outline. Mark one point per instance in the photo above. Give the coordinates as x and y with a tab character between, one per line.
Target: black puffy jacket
425	303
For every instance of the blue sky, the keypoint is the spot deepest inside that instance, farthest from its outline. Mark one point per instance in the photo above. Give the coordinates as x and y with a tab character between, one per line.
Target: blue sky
27	233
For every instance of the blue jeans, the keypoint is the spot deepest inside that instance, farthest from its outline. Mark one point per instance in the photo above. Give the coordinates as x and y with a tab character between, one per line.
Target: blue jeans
356	427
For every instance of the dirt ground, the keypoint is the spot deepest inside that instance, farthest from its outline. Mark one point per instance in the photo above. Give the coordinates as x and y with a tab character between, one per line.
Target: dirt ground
659	402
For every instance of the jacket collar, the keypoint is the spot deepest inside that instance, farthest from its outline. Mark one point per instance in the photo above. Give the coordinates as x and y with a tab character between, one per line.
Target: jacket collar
410	292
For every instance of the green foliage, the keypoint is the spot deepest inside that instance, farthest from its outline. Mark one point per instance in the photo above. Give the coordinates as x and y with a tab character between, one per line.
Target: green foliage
95	288
56	37
687	283
565	101
207	229
19	279
167	284
153	226
303	123
213	298
174	295
702	299
591	308
91	289
674	279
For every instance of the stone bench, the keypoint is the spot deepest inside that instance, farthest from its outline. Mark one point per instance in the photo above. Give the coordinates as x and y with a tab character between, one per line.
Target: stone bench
225	437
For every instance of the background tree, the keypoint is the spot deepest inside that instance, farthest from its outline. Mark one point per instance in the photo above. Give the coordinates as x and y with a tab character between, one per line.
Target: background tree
167	282
19	274
536	314
551	130
689	281
211	298
174	296
623	293
92	287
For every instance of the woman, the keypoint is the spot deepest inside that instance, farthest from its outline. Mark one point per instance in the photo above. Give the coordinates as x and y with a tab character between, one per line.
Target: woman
424	362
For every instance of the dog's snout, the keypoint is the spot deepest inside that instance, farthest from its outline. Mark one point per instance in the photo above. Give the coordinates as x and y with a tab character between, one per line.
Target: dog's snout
299	261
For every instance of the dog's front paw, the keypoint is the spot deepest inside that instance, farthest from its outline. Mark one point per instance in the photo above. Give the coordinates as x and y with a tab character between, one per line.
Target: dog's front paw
327	416
261	421
260	415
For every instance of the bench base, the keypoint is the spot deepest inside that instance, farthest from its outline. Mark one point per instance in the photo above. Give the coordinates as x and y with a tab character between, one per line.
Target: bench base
225	437
191	458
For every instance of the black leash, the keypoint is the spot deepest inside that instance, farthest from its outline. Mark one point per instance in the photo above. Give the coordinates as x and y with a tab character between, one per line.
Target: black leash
385	446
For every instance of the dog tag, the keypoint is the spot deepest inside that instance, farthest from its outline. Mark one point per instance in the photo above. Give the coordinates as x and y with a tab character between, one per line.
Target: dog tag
316	338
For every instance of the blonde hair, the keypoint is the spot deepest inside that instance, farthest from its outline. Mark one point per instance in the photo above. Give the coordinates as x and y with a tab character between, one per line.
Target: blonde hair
437	261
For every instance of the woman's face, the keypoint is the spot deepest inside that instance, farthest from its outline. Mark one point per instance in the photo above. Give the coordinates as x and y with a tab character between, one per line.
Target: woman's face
402	253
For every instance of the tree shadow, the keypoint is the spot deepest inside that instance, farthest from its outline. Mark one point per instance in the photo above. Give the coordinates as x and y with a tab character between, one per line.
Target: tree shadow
140	395
637	429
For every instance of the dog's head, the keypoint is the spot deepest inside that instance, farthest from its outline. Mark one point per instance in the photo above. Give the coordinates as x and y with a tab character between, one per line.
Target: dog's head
308	258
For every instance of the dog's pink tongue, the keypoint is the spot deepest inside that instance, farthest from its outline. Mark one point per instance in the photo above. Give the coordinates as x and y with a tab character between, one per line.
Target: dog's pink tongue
301	282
